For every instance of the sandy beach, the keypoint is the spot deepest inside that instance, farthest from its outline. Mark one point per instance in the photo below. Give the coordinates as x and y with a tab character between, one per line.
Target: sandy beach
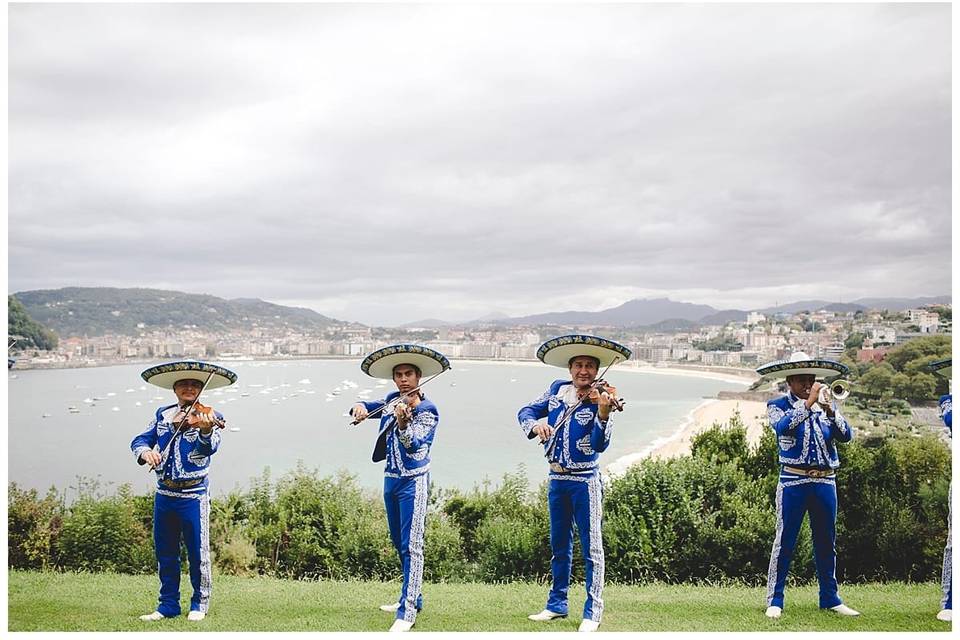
702	417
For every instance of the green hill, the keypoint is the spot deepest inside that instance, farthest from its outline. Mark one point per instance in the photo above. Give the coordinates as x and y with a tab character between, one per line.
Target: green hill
25	329
77	311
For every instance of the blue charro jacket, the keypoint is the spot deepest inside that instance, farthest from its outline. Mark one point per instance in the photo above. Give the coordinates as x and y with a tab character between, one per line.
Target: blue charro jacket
407	452
946	411
188	459
577	444
807	438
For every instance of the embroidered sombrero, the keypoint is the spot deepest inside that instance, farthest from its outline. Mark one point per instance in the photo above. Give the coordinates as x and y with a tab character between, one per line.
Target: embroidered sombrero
801	364
381	362
942	367
558	351
165	375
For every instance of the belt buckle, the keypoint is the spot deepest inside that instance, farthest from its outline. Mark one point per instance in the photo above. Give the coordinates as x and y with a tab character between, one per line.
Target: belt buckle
817	473
556	468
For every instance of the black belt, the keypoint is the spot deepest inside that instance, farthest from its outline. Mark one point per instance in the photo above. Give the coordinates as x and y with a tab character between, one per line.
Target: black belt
180	484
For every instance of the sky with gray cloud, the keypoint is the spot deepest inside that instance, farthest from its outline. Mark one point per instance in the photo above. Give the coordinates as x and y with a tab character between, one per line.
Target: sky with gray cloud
388	163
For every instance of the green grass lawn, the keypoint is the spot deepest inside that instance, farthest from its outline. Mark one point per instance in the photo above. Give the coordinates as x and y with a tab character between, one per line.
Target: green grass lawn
110	602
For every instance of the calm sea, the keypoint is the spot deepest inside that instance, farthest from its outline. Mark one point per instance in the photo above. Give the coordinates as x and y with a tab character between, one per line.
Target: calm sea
288	412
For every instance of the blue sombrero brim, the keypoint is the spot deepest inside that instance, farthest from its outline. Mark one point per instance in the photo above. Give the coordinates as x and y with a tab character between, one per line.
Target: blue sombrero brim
942	367
558	351
168	374
381	362
814	366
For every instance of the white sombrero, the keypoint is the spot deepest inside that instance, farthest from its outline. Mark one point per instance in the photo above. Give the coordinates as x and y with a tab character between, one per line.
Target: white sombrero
558	351
801	364
166	375
381	362
942	367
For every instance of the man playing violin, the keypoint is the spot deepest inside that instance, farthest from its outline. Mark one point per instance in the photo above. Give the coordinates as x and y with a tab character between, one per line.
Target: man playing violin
577	430
178	445
408	423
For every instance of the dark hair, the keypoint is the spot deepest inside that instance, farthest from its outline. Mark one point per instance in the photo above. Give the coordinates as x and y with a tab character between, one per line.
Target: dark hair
415	368
594	358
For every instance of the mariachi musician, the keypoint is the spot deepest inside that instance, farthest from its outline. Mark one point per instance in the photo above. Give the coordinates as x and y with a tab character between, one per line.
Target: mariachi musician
808	423
408	422
945	368
178	445
577	430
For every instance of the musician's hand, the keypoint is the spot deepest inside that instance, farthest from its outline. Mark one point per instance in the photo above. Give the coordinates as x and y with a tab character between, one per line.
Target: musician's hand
814	395
359	412
151	458
403	413
605	401
544	431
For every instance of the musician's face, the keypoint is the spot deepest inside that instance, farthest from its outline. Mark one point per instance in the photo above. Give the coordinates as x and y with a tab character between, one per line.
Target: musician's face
187	390
800	385
583	371
405	377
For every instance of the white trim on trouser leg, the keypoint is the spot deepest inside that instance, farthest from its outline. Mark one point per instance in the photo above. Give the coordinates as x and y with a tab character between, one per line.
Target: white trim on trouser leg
775	552
596	547
946	575
206	574
415	547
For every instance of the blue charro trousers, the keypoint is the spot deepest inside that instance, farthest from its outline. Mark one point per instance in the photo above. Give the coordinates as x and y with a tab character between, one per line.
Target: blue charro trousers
406	502
796	496
577	499
947	575
188	518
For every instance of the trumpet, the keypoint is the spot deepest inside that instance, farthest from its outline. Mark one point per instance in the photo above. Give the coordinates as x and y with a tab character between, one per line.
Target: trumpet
835	391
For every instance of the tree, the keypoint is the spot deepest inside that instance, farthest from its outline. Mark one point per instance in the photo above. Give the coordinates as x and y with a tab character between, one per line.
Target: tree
28	332
854	341
919	386
936	345
877	380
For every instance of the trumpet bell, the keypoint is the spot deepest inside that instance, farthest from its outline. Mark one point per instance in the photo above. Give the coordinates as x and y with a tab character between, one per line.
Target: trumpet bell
836	391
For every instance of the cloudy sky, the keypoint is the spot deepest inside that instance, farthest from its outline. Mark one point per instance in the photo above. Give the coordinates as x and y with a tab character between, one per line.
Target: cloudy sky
387	163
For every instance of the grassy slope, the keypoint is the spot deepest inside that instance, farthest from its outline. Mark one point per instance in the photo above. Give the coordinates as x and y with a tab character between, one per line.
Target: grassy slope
109	602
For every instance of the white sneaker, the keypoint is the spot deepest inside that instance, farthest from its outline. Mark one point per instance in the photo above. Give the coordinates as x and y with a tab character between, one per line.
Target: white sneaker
546	616
588	625
196	616
153	617
946	615
390	608
401	625
844	610
773	612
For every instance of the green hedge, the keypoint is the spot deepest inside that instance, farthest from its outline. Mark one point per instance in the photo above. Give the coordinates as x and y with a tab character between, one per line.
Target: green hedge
708	516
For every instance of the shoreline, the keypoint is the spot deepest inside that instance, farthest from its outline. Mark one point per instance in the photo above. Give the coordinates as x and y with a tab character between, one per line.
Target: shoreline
700	418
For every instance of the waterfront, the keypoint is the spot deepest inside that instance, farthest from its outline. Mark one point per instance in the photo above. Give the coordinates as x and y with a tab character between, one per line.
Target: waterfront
284	414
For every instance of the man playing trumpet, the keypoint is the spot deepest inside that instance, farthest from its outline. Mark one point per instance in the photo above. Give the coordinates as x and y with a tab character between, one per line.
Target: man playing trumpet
808	423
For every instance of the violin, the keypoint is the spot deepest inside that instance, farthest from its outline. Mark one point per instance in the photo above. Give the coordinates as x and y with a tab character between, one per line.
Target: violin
601	385
196	415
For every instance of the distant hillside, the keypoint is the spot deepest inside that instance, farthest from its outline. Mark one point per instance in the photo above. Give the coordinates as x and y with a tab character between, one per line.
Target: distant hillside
630	314
663	314
78	311
25	330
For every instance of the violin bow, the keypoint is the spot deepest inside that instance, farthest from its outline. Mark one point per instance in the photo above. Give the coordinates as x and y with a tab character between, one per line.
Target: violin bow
565	416
186	414
400	397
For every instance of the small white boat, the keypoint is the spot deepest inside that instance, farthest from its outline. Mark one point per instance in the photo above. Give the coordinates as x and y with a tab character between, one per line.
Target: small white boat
111	394
88	400
73	410
234	428
115	409
129	390
244	395
305	381
46	415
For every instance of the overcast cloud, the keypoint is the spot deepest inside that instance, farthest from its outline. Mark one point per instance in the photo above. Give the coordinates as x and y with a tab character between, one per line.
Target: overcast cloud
385	163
